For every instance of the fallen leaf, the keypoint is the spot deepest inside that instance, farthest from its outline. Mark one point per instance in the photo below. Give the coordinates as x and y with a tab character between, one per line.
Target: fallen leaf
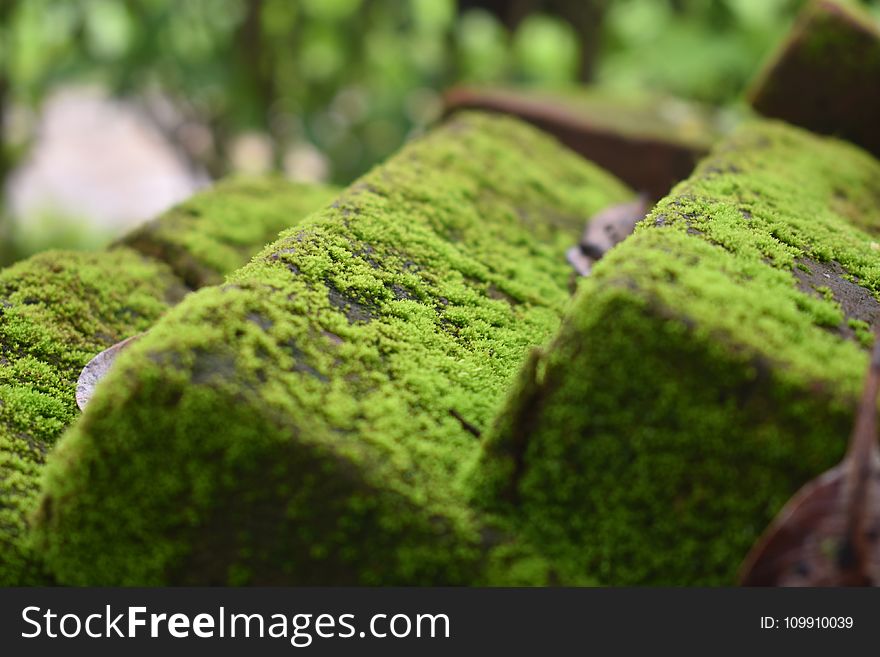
605	230
583	264
96	369
828	534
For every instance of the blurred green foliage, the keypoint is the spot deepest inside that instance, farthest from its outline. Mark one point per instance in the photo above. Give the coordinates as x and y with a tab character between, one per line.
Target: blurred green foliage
703	50
353	78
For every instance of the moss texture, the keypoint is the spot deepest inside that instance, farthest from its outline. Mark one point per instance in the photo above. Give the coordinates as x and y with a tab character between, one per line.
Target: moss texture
305	422
824	76
59	309
217	231
702	374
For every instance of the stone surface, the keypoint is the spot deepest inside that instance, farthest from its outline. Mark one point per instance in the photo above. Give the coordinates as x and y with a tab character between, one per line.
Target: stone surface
649	142
709	367
305	423
59	309
825	76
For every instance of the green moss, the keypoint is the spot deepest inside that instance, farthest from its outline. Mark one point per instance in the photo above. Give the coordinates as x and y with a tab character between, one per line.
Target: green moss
305	422
862	329
59	309
218	230
698	381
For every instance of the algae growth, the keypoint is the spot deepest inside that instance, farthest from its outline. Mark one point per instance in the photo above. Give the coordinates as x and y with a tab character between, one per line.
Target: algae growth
699	379
59	309
211	234
305	422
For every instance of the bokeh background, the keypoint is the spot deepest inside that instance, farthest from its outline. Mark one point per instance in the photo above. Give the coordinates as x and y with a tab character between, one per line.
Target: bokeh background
113	110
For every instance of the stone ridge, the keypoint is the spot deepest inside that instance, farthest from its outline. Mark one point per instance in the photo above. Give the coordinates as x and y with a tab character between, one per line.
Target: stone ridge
59	309
305	423
650	142
709	368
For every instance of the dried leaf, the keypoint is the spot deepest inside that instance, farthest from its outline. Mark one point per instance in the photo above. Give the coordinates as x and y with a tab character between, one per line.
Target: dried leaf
96	369
583	264
829	532
605	230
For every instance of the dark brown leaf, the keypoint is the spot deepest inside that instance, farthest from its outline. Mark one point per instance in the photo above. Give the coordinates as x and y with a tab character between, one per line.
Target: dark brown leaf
829	532
605	230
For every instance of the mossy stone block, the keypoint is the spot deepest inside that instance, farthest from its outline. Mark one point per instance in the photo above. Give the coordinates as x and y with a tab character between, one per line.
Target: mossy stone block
708	368
649	141
825	75
59	309
305	423
218	230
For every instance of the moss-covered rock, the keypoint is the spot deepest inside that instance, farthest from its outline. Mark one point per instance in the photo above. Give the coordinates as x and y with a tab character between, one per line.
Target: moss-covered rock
59	309
824	77
212	233
649	141
305	422
709	367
